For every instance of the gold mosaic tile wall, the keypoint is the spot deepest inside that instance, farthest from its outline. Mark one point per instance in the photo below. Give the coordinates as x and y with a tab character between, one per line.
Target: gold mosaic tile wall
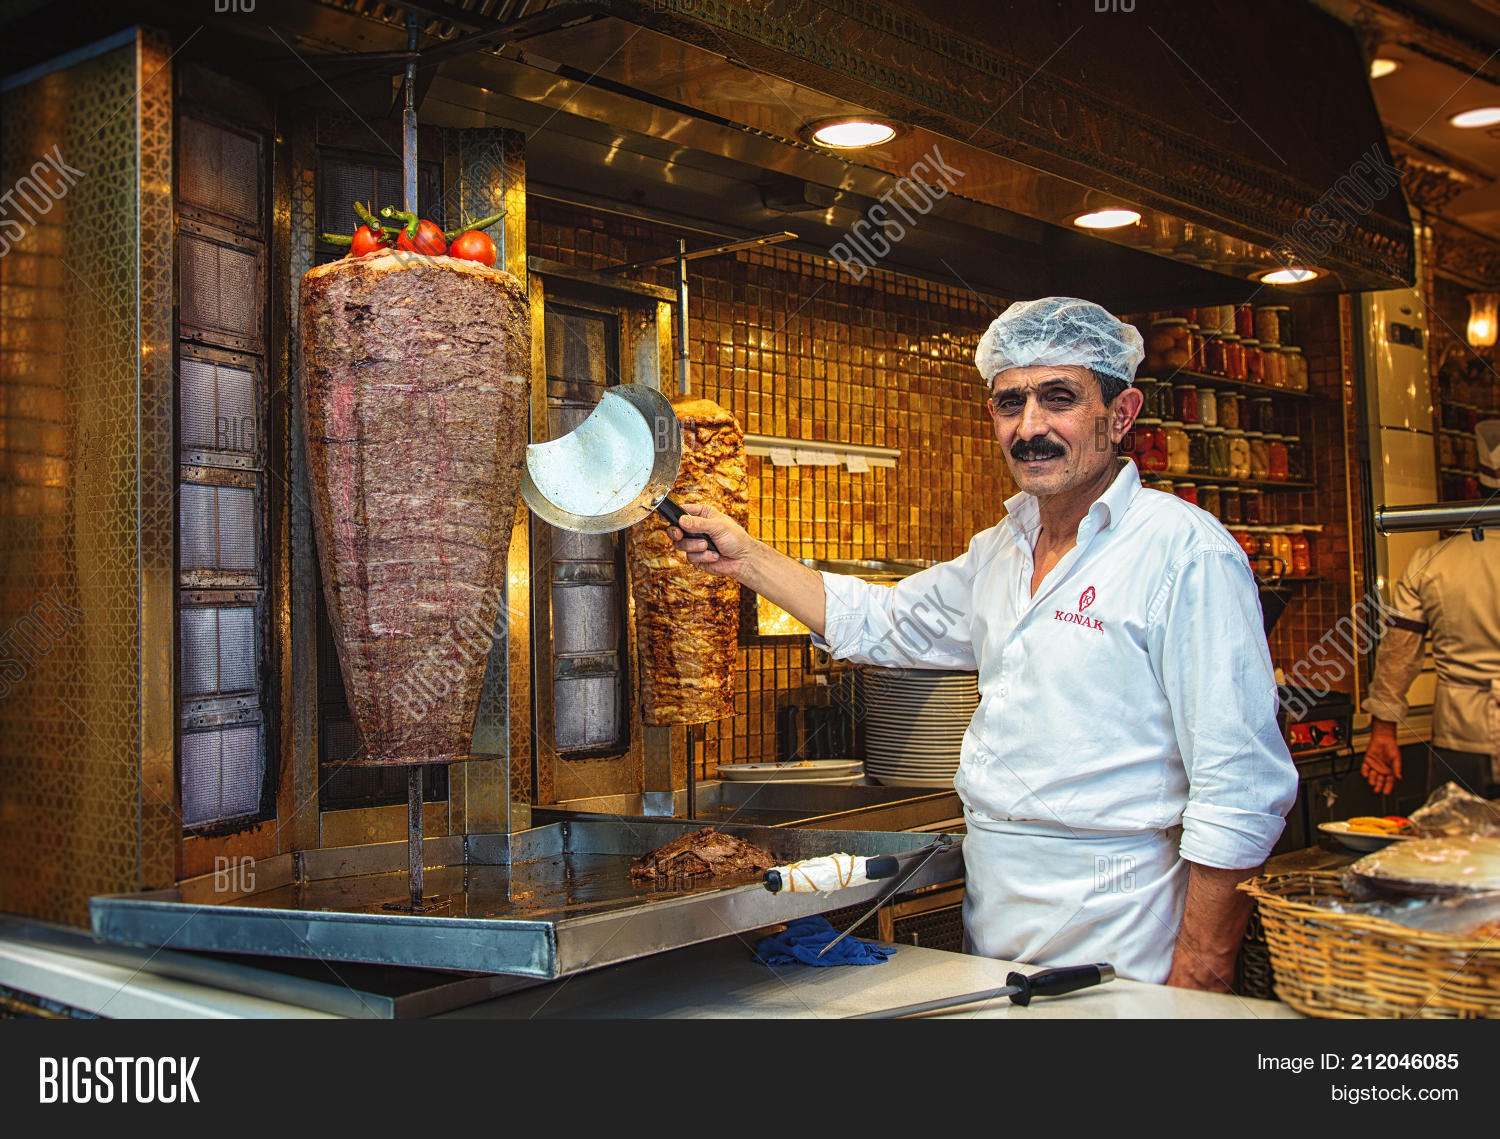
794	347
87	799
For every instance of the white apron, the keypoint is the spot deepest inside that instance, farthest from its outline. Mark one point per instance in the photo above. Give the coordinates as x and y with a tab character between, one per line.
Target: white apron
1036	894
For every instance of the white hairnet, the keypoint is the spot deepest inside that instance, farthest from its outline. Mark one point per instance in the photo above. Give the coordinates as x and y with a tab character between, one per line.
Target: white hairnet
1060	330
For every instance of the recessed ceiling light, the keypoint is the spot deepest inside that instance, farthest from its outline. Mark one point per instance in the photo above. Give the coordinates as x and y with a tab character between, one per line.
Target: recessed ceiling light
1107	219
852	133
1478	117
1290	276
1380	67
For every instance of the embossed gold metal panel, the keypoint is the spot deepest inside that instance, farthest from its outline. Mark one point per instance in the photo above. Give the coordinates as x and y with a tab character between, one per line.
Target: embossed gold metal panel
86	510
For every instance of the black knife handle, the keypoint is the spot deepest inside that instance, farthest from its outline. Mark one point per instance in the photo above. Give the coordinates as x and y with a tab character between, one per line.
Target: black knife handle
673	514
1056	982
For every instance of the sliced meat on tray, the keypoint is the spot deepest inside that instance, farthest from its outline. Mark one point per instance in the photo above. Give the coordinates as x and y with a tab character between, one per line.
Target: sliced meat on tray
702	853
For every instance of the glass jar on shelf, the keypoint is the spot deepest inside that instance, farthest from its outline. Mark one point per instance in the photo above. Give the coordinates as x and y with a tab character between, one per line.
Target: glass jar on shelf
1247	542
1146	385
1188	314
1281	549
1244	321
1262	415
1187	491
1274	363
1212	356
1185	403
1197	437
1296	459
1239	455
1208	407
1265	552
1276	458
1168	346
1229	409
1250	505
1229	505
1270	323
1161	484
1234	357
1177	447
1255	362
1260	456
1296	370
1212	318
1301	554
1148	445
1208	499
1218	452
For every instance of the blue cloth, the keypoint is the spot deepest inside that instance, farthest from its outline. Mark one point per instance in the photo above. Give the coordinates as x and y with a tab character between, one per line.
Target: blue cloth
800	941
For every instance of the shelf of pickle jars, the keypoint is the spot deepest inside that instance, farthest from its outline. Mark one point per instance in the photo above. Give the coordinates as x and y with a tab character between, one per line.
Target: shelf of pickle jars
1225	480
1206	379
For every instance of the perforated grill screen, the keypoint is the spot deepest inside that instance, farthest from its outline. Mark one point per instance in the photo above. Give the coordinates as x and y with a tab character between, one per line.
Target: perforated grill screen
221	365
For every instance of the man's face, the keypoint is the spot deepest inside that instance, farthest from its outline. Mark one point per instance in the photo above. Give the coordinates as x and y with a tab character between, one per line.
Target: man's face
1055	429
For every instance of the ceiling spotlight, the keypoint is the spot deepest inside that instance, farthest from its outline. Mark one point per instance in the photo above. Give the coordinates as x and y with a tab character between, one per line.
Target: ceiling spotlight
851	133
1478	117
1290	276
1380	67
1107	219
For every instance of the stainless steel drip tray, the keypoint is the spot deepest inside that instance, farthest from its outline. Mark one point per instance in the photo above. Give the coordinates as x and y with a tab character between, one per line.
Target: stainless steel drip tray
544	902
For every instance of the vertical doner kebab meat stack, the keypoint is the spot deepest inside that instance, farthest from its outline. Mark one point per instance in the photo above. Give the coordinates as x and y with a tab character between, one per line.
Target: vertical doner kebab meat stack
415	376
687	621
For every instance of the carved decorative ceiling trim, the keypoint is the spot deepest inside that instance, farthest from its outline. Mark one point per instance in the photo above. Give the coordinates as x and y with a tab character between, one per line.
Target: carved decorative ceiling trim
1430	185
1465	256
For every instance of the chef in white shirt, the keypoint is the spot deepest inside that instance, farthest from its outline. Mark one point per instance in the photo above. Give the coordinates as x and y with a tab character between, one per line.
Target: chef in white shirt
1124	770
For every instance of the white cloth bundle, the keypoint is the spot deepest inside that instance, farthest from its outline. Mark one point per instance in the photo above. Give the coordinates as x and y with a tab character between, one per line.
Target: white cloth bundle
822	874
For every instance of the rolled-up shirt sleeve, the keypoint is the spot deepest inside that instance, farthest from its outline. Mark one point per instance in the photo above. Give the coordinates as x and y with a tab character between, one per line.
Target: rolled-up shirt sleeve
1210	654
1399	657
923	621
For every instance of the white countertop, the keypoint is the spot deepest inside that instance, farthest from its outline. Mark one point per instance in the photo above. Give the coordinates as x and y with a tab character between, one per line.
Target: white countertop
115	990
720	979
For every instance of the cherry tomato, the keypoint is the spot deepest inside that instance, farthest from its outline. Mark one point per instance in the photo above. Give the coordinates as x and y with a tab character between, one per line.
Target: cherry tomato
474	246
429	240
366	241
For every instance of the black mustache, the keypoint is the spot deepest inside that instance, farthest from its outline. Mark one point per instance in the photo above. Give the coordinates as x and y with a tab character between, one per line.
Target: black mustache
1023	449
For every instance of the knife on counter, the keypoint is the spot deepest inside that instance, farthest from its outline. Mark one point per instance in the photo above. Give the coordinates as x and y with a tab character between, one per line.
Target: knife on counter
1021	988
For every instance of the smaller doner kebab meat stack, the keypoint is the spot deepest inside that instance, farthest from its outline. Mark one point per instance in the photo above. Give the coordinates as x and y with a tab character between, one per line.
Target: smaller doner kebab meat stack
687	621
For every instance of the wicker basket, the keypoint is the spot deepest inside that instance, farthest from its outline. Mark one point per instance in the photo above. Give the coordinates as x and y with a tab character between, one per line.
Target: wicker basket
1348	965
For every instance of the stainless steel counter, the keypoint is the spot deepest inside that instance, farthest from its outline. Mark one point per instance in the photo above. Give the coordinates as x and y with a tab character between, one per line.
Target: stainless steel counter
716	979
720	980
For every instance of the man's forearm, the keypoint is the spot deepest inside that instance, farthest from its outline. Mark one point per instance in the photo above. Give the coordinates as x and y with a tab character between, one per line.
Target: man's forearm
787	583
1213	924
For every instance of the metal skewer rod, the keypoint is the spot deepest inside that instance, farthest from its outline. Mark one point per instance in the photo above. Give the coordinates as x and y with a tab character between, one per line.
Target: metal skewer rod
414	834
682	320
409	118
409	190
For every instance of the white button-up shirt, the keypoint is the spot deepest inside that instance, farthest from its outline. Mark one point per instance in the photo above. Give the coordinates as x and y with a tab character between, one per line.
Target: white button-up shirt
1134	692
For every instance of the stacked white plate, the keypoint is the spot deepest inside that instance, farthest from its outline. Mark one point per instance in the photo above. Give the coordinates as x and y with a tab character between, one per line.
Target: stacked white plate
914	723
839	772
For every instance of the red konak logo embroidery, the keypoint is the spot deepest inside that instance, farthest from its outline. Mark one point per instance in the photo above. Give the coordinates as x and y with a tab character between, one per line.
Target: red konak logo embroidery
1078	618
